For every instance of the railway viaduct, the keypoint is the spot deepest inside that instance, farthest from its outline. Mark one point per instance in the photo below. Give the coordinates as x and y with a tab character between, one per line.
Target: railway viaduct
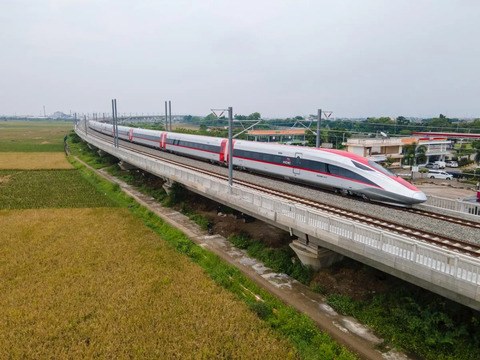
324	238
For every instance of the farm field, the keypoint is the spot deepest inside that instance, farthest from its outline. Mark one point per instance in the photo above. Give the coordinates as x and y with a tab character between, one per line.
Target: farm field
85	283
82	277
48	189
33	161
32	136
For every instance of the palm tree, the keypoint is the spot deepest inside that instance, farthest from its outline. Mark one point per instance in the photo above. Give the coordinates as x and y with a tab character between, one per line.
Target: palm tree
477	157
420	153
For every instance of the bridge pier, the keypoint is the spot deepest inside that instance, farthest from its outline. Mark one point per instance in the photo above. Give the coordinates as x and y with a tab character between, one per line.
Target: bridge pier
313	255
91	147
167	185
102	153
126	166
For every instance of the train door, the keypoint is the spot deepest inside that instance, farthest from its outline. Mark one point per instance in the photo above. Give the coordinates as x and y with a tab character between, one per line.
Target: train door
297	163
223	145
163	140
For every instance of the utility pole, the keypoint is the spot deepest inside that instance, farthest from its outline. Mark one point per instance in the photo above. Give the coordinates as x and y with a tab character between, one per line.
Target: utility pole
319	127
115	125
170	111
166	116
44	114
230	147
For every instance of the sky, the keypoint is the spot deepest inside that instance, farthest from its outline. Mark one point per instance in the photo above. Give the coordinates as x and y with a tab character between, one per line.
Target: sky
282	58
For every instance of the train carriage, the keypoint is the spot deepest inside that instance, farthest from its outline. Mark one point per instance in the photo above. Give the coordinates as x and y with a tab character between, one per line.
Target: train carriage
327	168
203	147
147	137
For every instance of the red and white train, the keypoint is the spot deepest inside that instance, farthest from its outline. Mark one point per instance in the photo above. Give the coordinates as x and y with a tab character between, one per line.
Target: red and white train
326	168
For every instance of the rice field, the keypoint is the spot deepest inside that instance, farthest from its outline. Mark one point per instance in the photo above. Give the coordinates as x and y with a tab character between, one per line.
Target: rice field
33	161
97	283
33	136
48	189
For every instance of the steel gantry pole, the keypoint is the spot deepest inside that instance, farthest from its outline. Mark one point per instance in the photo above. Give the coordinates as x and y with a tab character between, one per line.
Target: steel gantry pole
170	111
116	121
166	116
319	129
113	123
230	147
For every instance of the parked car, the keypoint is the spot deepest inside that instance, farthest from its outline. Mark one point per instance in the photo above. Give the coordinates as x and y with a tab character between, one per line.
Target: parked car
455	174
441	164
431	166
435	174
452	164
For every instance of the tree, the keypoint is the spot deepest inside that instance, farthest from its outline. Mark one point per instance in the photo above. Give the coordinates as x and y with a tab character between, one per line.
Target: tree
401	121
254	116
477	157
210	116
420	153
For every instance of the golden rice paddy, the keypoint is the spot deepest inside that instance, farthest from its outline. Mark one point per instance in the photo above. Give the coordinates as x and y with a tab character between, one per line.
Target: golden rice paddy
33	161
97	283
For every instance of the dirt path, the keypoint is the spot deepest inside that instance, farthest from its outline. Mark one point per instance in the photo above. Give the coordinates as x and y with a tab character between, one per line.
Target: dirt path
345	330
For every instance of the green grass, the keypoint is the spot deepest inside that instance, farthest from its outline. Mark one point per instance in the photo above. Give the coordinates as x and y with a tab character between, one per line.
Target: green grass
28	147
48	189
26	136
279	260
466	146
87	155
418	321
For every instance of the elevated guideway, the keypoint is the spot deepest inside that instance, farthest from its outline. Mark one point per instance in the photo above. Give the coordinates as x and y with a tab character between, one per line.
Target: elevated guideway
322	237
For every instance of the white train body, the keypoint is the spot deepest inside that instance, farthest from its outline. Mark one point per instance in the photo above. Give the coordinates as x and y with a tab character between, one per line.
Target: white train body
334	169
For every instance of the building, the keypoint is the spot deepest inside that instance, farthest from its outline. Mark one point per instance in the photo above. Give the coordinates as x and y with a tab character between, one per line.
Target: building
380	149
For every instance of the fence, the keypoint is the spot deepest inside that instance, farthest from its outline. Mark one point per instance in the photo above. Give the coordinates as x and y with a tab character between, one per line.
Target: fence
453	205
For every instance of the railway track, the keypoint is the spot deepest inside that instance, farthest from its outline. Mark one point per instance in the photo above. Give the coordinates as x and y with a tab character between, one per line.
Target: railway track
411	232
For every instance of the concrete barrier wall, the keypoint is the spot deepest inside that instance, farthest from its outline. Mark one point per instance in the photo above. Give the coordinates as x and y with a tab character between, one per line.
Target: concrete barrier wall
456	273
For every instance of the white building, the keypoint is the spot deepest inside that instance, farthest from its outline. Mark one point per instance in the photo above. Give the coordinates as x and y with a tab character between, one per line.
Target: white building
380	149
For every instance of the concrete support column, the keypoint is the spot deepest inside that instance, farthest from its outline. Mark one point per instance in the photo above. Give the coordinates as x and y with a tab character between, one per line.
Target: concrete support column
101	153
126	166
167	185
315	256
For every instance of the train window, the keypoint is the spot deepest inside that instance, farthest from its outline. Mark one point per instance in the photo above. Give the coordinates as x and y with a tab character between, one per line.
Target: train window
298	161
381	168
361	166
239	153
266	157
332	169
277	159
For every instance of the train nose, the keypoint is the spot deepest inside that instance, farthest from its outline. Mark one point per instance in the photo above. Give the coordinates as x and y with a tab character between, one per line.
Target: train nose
418	197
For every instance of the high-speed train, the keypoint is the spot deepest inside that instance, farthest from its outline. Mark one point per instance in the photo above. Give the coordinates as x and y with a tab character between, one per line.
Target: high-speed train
327	168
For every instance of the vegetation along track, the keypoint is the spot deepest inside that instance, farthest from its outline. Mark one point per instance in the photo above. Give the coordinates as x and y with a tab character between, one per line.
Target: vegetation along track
409	231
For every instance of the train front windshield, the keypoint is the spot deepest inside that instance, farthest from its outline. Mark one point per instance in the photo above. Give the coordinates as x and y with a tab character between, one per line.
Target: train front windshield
381	168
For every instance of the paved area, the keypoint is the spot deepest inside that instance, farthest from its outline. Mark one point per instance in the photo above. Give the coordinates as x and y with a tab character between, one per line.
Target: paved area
446	190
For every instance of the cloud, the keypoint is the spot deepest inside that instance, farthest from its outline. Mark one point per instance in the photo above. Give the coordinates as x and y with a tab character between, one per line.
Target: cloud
279	57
